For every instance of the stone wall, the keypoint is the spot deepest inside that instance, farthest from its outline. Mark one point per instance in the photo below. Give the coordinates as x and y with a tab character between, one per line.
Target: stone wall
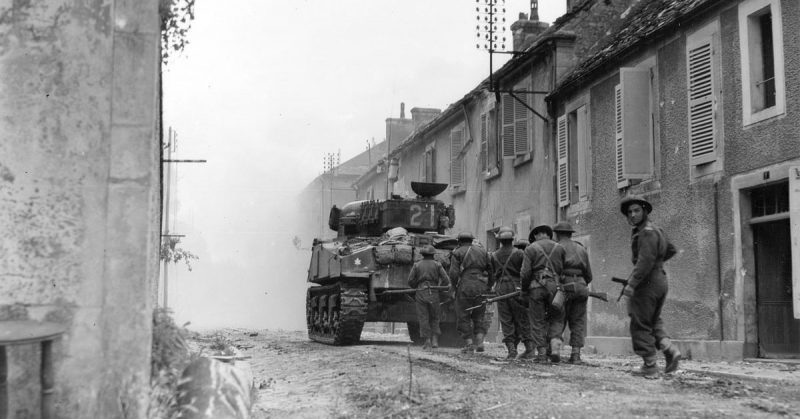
80	197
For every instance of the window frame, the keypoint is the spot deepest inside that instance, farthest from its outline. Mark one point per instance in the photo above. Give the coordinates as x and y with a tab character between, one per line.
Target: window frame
750	10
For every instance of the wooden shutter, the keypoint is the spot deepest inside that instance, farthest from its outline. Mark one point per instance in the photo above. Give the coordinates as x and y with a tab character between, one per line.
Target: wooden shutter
620	150
563	162
430	164
484	142
637	132
584	159
456	161
508	127
521	122
702	125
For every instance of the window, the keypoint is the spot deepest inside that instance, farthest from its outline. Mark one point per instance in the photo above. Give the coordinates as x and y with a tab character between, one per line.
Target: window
456	156
516	140
633	125
429	164
761	43
703	93
574	163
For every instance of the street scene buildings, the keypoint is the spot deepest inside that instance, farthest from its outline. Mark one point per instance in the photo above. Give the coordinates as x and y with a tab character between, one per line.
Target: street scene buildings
682	102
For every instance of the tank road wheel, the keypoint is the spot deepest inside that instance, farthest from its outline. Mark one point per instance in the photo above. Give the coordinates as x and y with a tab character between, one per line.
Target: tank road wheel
413	333
336	313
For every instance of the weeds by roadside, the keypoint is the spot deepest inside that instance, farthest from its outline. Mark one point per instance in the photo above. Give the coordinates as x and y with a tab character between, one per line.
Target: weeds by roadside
170	354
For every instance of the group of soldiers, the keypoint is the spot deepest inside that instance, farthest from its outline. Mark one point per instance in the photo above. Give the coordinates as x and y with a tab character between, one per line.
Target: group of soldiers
546	280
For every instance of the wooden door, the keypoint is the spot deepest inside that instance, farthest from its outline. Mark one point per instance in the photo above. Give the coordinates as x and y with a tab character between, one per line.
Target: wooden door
778	331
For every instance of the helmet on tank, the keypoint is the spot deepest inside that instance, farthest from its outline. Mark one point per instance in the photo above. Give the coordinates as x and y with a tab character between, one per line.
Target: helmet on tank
465	236
634	199
505	233
427	250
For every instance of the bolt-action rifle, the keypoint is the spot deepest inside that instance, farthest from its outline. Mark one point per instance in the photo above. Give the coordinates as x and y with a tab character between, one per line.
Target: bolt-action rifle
624	283
599	295
497	298
414	290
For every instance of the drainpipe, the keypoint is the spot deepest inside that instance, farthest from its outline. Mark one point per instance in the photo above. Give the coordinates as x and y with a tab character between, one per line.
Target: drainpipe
719	261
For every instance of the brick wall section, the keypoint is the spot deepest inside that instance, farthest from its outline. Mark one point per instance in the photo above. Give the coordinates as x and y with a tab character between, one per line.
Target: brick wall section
79	179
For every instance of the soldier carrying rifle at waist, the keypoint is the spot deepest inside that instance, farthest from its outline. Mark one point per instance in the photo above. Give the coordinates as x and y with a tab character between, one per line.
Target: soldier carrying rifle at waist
578	274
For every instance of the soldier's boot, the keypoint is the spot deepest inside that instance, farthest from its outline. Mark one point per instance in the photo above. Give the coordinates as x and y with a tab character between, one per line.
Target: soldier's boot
435	341
427	345
468	348
555	350
530	350
575	356
671	354
542	358
479	342
512	350
649	369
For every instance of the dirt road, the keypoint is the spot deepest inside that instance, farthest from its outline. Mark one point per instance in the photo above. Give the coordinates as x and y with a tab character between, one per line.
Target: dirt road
378	378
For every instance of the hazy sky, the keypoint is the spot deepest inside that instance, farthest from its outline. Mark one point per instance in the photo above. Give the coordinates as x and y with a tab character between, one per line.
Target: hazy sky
263	91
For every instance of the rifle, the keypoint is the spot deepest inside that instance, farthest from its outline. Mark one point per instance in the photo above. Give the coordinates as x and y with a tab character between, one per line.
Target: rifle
599	295
497	298
414	290
624	283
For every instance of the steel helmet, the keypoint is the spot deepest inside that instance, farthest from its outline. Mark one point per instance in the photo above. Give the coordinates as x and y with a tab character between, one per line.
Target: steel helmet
465	235
634	199
427	250
563	227
521	243
505	233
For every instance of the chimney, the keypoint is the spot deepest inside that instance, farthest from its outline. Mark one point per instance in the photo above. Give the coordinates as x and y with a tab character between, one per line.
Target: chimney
524	31
570	5
421	116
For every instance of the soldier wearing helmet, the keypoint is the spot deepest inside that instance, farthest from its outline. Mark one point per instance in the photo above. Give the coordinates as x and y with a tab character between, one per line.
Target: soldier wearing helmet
576	270
470	273
514	319
647	287
541	268
424	274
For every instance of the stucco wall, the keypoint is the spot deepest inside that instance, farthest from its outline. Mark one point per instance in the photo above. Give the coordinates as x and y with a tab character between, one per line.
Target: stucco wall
696	212
80	187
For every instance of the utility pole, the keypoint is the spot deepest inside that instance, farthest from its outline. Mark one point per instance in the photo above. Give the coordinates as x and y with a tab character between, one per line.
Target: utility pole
167	167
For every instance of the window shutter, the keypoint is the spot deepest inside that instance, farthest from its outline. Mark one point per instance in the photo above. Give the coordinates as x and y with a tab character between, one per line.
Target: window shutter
508	127
521	123
637	133
702	129
484	142
456	161
620	150
563	159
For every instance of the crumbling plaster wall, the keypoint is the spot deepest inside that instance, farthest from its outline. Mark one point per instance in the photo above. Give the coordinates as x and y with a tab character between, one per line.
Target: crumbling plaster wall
79	196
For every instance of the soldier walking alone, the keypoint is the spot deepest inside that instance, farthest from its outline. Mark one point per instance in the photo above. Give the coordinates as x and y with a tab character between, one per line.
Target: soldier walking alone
514	318
471	275
647	288
541	269
576	271
424	274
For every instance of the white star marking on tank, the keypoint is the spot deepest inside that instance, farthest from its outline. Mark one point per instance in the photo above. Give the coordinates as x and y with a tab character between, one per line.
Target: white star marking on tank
358	262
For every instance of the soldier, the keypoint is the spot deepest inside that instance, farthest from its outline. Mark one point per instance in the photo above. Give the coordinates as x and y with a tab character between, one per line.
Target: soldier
647	288
514	318
541	268
424	274
576	271
471	276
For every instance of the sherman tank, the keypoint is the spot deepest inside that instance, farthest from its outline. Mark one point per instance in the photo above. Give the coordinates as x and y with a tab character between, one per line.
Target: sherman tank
361	275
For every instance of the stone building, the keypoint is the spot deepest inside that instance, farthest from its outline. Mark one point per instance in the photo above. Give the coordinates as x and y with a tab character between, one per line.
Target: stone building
690	105
80	199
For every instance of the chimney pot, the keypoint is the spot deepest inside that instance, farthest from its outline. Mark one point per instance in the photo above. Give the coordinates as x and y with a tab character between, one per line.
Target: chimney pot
402	110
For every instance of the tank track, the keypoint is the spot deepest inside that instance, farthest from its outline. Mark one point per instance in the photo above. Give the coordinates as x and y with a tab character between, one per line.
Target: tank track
335	314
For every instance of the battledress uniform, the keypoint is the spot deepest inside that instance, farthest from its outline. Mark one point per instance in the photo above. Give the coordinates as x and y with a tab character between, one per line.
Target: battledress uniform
576	270
514	318
426	273
541	267
471	275
650	248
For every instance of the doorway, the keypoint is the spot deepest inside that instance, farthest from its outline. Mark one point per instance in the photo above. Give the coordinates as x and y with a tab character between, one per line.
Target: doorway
778	330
